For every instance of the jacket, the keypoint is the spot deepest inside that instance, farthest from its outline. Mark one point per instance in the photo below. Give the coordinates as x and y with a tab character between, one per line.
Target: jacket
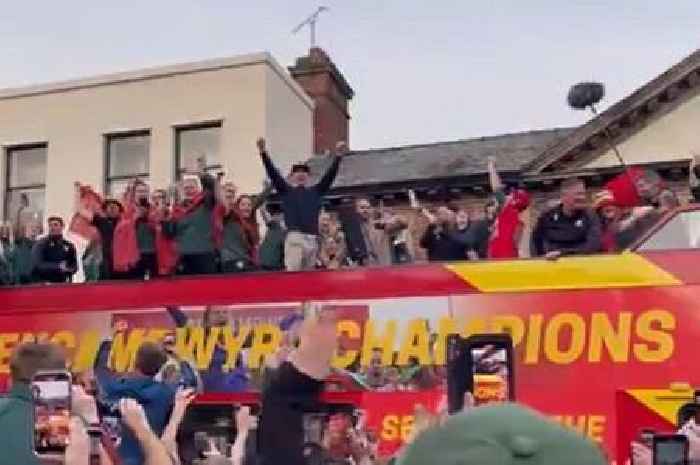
301	205
442	245
17	427
576	234
47	255
156	398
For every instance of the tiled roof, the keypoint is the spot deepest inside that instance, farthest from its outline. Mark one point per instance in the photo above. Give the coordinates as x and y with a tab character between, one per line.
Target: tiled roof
443	160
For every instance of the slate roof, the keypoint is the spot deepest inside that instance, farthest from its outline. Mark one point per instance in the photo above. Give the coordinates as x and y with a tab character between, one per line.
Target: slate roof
442	160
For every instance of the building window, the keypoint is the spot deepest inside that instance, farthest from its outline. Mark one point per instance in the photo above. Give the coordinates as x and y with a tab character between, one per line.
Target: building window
126	159
192	142
26	183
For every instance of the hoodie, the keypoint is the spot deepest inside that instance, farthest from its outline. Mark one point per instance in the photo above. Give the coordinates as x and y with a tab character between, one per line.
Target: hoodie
17	427
156	398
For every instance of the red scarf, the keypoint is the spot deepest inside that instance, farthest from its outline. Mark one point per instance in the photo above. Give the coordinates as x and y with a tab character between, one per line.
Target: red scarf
217	218
166	248
125	246
92	201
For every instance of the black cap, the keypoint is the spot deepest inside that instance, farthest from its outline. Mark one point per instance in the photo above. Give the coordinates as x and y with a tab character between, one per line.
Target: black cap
300	167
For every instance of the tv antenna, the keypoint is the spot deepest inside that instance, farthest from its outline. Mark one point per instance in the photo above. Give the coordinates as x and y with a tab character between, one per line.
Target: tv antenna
311	22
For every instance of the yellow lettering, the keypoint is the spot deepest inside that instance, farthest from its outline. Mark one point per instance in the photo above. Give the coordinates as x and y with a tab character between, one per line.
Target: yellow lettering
266	339
655	326
384	342
446	326
617	342
7	343
510	324
234	344
124	348
191	345
552	338
390	428
534	339
474	326
84	356
596	427
416	344
351	330
406	427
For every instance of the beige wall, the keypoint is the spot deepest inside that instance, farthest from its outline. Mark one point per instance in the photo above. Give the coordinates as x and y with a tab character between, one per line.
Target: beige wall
674	136
74	122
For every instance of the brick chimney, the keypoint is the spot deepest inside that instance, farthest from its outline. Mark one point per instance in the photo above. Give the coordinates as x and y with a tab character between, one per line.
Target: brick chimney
326	85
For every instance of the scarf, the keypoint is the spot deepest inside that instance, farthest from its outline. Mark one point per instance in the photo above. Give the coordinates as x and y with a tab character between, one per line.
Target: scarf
217	218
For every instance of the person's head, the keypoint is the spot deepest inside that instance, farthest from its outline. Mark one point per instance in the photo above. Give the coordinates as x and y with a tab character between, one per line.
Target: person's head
649	185
168	344
445	215
339	423
190	187
55	226
324	223
159	197
245	206
376	360
300	174
141	192
667	200
331	246
229	198
491	208
112	208
150	358
363	207
499	434
33	229
392	375
573	195
5	231
215	316
462	219
30	358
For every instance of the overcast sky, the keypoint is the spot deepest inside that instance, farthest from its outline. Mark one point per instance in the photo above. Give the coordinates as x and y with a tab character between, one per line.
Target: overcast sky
422	70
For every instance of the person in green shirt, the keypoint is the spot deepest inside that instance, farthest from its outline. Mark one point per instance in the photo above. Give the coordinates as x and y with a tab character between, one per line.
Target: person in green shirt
17	409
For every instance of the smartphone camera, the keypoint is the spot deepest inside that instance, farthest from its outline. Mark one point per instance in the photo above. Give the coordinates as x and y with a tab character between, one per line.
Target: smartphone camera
483	365
52	409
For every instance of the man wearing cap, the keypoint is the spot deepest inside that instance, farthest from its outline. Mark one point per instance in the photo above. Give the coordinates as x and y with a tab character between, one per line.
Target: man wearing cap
301	204
54	259
501	434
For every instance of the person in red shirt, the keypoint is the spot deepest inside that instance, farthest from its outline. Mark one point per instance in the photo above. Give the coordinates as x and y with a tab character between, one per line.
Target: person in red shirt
507	227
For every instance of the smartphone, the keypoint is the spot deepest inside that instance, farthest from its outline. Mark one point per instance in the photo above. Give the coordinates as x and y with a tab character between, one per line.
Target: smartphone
491	368
52	409
670	449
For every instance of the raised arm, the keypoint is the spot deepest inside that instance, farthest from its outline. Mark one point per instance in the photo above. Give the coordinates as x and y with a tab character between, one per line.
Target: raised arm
494	177
272	172
327	180
80	208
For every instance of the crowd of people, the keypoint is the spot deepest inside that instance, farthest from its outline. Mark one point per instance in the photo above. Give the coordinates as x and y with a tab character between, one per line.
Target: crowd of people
206	226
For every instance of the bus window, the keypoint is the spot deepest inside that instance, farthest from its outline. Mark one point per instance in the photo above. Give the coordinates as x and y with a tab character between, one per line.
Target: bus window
681	232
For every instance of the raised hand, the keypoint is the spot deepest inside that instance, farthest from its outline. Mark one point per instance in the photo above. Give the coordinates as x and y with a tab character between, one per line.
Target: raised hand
341	148
261	145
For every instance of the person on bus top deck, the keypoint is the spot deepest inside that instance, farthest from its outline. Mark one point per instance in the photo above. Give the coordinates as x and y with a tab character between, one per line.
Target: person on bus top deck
194	225
301	204
54	259
145	226
439	238
610	220
569	228
271	253
241	235
105	221
507	228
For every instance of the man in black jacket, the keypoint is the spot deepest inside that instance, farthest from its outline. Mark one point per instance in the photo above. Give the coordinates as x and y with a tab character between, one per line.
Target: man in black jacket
439	239
54	259
293	389
569	228
301	205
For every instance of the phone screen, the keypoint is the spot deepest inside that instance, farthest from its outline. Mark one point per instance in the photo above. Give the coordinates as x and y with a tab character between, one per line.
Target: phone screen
52	399
671	451
491	373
